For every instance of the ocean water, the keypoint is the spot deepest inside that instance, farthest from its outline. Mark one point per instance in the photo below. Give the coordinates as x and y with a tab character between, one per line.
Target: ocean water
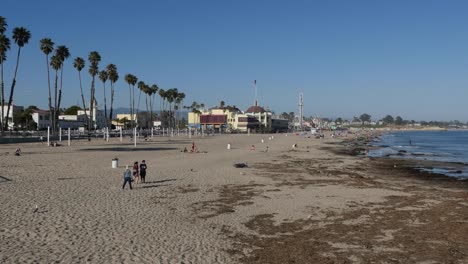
449	147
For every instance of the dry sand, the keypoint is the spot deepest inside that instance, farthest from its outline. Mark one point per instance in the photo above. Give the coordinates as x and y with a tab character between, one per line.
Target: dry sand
301	205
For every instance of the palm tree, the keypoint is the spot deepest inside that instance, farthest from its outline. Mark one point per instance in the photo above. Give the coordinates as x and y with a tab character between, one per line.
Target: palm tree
94	59
179	99
161	98
63	53
4	46
21	37
55	63
103	76
147	90
79	64
47	46
141	86
154	89
131	80
113	77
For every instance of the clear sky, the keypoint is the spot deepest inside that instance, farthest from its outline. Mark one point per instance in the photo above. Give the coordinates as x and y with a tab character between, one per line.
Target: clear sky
407	58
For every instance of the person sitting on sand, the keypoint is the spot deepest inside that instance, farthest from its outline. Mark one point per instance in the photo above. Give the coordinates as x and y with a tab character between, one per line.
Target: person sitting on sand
136	175
18	152
143	171
252	147
127	176
194	148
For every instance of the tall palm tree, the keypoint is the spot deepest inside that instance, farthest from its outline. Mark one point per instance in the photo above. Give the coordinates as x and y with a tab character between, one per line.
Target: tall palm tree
63	53
147	90
103	76
154	89
141	86
4	46
21	37
113	77
55	63
131	80
94	58
47	46
179	99
79	64
161	93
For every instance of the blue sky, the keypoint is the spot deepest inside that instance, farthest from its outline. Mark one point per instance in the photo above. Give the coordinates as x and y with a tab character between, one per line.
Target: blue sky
407	58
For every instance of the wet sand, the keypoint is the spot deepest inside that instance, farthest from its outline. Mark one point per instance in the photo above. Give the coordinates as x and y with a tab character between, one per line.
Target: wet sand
310	204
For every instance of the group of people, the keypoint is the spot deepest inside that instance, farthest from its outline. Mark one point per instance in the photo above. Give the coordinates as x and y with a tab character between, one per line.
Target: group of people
138	174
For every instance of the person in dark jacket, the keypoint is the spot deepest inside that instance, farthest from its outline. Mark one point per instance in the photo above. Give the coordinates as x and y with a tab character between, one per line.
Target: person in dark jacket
143	171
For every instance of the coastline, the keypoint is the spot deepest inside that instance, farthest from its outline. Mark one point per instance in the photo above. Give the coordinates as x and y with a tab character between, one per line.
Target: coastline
310	204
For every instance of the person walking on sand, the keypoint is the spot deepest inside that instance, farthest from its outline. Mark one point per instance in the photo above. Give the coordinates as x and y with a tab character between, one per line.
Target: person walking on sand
127	176
136	174
143	171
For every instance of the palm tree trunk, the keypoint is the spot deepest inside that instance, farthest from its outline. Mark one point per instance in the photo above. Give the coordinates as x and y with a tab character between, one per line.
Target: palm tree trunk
111	102
91	104
54	113
138	106
131	110
60	95
147	111
2	102
105	104
82	98
50	95
13	84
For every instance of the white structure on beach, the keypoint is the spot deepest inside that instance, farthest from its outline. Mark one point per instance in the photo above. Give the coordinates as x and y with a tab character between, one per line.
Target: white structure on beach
99	118
42	118
13	109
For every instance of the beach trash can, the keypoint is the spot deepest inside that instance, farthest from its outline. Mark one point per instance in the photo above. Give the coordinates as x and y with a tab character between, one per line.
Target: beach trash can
115	163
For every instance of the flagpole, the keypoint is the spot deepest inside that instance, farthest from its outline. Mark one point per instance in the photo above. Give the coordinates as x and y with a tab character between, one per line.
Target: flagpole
255	89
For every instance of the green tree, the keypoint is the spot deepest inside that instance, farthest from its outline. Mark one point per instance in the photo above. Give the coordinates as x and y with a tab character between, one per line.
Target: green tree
47	46
21	37
398	121
4	47
388	119
339	120
365	118
72	110
79	64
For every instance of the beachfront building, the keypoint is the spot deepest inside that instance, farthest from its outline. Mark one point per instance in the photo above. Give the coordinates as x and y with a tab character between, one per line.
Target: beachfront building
13	109
264	117
279	125
224	118
99	118
77	121
123	120
42	118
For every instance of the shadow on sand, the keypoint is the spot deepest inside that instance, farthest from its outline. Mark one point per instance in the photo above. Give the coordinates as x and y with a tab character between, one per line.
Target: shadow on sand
4	179
154	186
159	181
127	149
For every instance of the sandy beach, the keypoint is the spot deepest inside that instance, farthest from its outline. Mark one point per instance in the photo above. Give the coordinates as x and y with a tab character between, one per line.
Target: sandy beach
308	204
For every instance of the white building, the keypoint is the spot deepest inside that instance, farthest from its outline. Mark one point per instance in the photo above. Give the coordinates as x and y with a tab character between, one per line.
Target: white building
13	109
42	118
99	119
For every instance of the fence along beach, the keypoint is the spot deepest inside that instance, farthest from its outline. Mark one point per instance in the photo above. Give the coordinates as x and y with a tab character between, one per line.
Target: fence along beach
308	204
